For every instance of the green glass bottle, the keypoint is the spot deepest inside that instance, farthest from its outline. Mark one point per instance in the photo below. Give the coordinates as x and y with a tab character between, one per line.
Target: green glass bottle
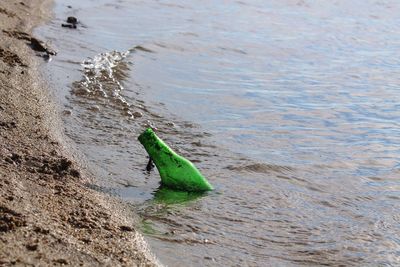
176	172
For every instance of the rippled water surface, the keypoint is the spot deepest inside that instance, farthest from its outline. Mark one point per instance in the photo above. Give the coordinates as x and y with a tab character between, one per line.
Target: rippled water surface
290	108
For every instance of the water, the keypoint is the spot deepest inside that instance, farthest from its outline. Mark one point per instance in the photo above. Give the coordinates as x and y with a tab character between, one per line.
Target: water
290	108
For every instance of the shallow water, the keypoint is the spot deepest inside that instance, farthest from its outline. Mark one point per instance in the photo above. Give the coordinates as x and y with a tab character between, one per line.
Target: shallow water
290	108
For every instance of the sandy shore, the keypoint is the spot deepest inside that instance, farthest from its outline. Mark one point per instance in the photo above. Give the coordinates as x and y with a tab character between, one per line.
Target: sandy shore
47	216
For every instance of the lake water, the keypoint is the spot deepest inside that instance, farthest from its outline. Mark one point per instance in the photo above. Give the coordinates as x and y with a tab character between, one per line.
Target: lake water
291	109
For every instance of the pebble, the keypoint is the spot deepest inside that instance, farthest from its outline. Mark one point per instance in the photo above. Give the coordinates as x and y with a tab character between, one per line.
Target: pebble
126	228
94	108
31	247
62	261
72	20
71	26
71	23
67	112
137	114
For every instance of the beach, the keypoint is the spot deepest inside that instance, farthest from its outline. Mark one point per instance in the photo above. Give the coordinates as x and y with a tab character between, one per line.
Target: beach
48	216
288	108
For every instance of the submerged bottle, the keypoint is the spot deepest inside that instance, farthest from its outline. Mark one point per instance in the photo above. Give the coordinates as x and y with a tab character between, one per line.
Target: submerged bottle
176	172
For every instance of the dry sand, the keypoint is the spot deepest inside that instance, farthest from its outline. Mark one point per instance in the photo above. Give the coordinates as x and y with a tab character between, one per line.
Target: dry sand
47	215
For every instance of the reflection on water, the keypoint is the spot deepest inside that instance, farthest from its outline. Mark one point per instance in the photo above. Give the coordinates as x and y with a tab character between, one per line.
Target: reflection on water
168	196
290	108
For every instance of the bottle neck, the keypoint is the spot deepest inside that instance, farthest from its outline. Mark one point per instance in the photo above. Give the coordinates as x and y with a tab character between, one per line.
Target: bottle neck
155	147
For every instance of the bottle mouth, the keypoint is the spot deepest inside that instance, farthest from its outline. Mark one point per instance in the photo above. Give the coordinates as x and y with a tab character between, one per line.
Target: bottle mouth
146	136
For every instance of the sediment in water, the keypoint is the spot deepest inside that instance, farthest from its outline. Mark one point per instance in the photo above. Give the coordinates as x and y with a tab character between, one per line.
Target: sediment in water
47	214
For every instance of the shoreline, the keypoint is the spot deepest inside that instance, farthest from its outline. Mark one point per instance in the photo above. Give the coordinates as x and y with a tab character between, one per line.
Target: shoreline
47	214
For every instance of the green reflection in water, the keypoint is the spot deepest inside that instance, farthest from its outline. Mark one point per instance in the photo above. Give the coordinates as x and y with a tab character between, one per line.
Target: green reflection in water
168	196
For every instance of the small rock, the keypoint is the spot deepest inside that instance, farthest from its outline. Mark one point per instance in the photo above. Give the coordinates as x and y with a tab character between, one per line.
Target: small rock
31	247
40	230
72	20
67	112
128	113
16	158
126	228
137	114
209	258
71	26
40	46
86	240
9	160
107	227
75	173
63	165
94	108
8	125
61	261
71	23
123	260
31	170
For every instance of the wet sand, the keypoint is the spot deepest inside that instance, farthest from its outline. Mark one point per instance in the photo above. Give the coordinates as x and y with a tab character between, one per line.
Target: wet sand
47	215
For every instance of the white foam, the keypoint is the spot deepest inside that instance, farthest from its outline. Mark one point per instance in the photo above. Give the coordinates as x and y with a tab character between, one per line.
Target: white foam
100	78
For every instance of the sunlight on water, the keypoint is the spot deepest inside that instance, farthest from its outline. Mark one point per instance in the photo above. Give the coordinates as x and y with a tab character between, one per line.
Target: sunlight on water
102	79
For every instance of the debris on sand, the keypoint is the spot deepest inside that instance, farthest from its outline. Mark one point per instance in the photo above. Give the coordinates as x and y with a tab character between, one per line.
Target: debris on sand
40	46
33	42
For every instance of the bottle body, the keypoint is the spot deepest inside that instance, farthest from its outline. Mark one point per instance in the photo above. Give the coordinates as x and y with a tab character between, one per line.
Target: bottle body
176	171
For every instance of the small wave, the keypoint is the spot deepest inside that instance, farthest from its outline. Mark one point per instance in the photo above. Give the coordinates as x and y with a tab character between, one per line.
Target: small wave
102	79
142	48
260	168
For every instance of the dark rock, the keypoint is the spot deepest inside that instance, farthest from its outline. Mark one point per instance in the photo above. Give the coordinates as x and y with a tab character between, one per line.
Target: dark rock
72	20
16	158
75	173
126	228
71	26
31	247
71	23
61	261
9	219
9	160
40	46
63	165
8	125
40	230
86	240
